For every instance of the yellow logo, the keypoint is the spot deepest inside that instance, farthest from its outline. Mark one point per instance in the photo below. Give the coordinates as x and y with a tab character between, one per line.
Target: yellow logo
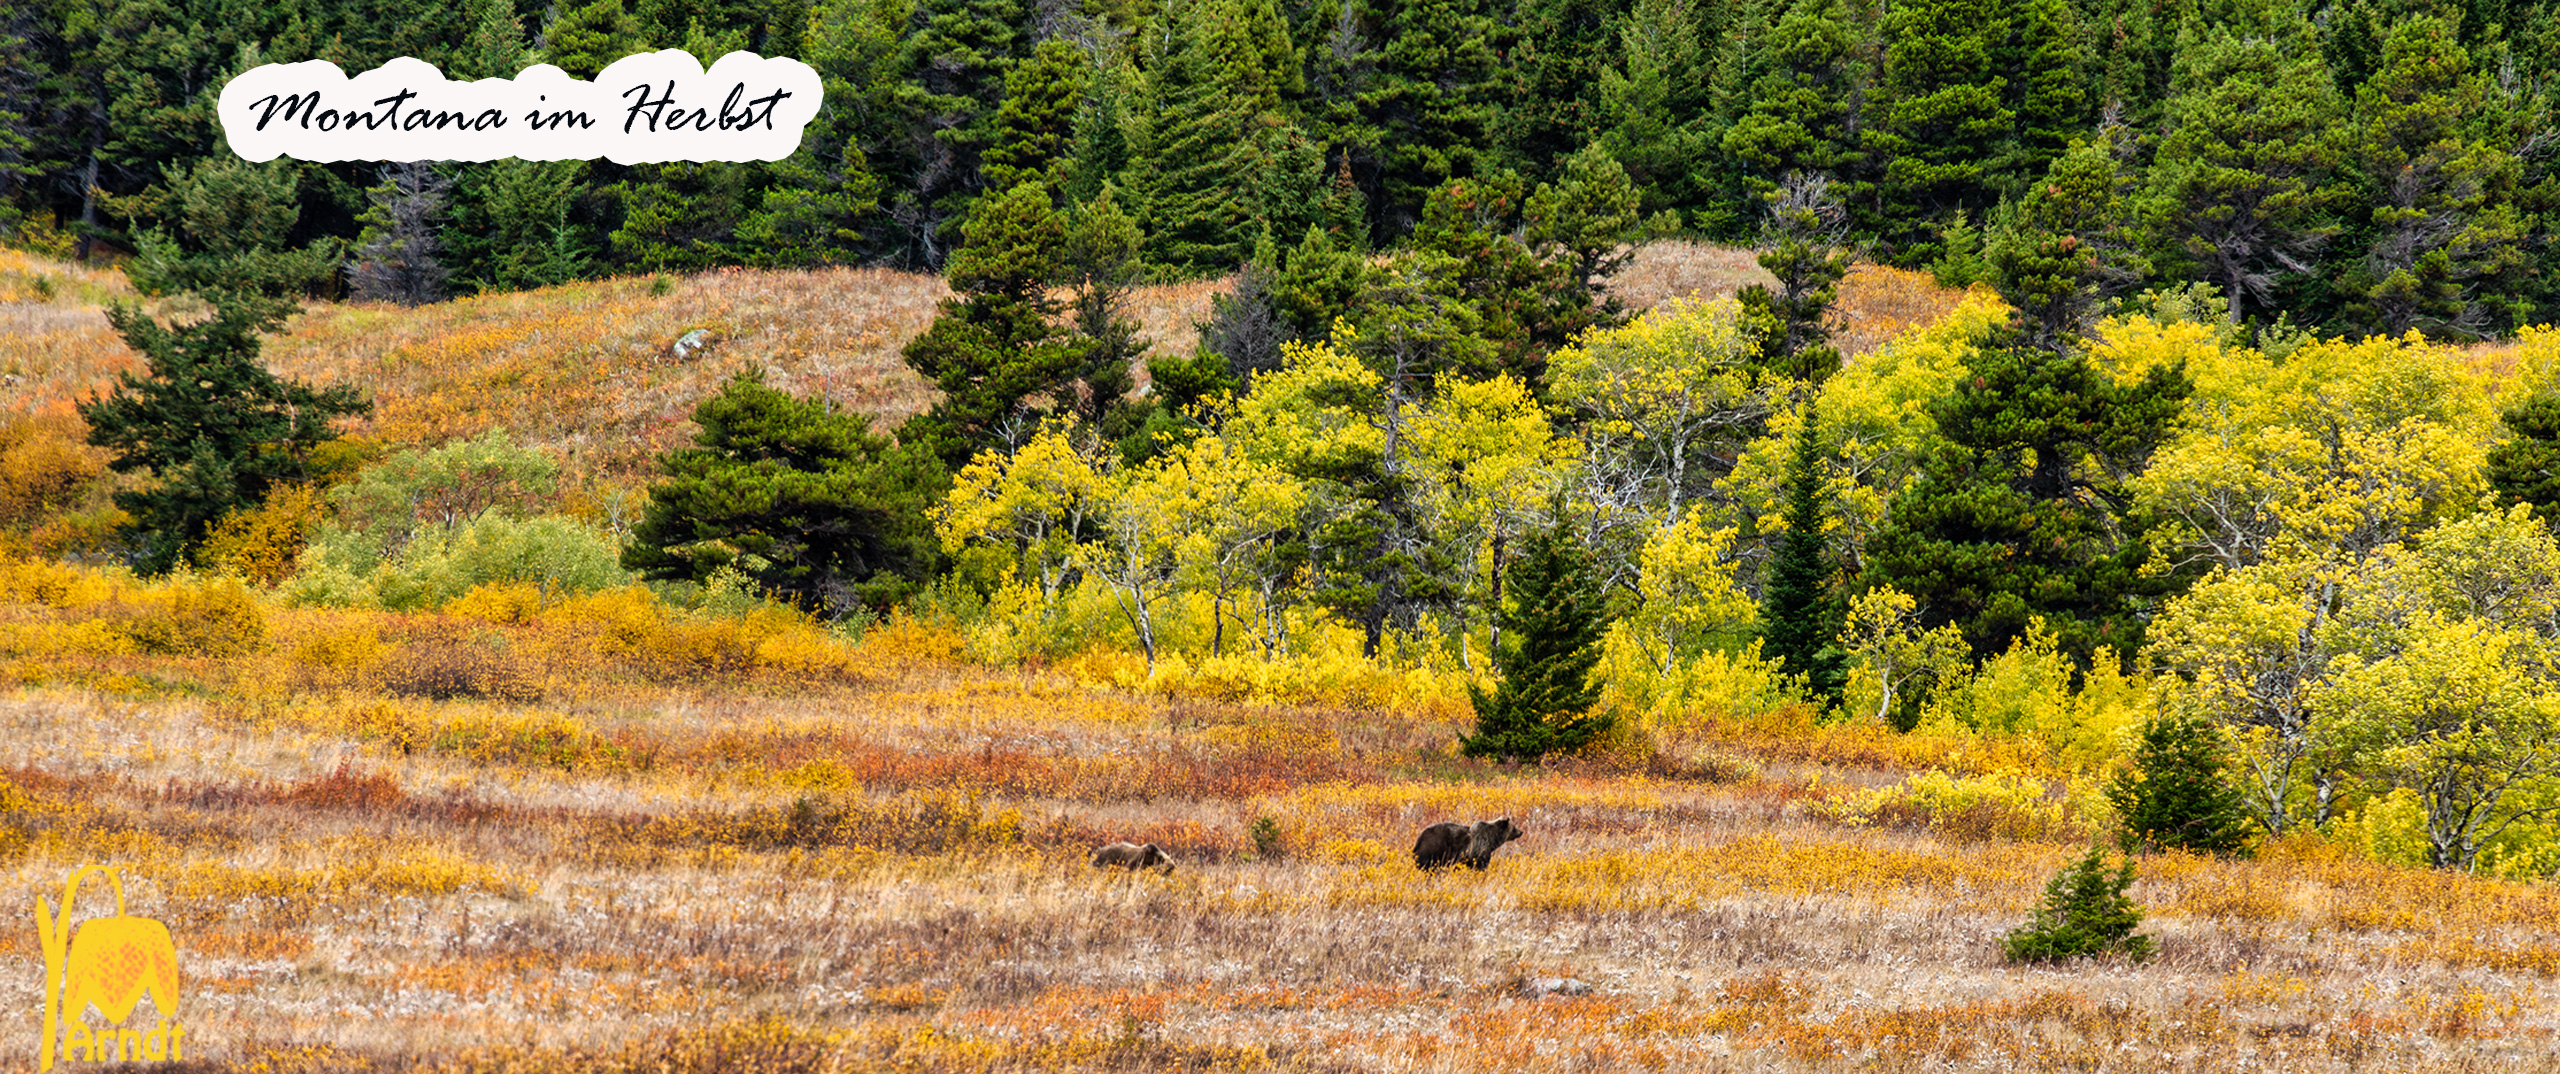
110	963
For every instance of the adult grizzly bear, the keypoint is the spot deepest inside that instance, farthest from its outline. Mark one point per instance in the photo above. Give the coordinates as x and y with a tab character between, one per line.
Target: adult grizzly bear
1133	857
1448	843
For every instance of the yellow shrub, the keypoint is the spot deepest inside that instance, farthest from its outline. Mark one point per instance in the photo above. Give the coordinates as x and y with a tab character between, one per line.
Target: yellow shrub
191	617
264	544
498	602
2006	804
351	648
57	585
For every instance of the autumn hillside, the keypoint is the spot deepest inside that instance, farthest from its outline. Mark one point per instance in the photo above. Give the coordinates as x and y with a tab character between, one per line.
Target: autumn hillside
586	370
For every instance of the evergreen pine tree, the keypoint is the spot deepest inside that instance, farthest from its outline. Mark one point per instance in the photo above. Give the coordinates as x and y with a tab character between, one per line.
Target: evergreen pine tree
1438	98
1945	118
2175	797
1102	266
529	225
496	47
233	229
796	495
398	259
2085	912
1804	111
1563	48
948	75
1801	618
1521	304
215	429
1586	224
1099	148
1035	126
2022	513
1213	152
2447	236
681	217
1651	110
2048	90
992	350
2069	244
2526	467
584	38
1551	627
2239	192
1319	282
1803	245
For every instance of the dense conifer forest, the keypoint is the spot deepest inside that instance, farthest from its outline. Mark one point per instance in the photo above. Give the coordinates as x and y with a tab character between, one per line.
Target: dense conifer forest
2346	167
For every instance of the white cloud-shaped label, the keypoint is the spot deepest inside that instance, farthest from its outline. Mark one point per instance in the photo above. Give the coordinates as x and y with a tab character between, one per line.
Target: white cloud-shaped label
643	109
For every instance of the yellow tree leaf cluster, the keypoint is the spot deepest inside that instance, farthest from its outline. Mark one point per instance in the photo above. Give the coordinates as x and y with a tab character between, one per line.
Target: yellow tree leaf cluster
2338	450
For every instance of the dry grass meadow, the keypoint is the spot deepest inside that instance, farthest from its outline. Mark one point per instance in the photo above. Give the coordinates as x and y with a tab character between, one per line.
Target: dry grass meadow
526	834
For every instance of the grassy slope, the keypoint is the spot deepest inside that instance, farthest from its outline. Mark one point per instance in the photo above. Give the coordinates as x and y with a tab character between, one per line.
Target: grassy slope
585	369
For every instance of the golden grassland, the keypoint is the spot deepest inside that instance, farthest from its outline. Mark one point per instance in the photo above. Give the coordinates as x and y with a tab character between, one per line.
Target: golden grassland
608	834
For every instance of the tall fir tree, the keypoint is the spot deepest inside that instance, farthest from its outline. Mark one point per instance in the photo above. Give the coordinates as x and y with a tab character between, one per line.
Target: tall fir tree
1804	245
948	79
1546	701
1801	616
2069	244
2023	511
1035	126
584	38
2175	797
2447	238
1944	119
1805	111
1586	224
2241	191
1441	65
2048	94
1212	148
992	350
1651	110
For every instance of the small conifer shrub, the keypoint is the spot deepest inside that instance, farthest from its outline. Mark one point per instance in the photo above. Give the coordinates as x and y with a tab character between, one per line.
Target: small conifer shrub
2085	912
2175	797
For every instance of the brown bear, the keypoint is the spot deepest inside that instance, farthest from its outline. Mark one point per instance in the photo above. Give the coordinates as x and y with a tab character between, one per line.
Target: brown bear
1447	843
1133	857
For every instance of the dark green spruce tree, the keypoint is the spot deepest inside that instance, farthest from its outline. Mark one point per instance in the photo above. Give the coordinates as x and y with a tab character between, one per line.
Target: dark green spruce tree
215	430
1800	614
1551	627
799	497
2085	913
1804	245
2448	241
1944	121
2526	468
992	350
1804	114
2175	797
2023	511
1035	125
2069	244
2240	193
